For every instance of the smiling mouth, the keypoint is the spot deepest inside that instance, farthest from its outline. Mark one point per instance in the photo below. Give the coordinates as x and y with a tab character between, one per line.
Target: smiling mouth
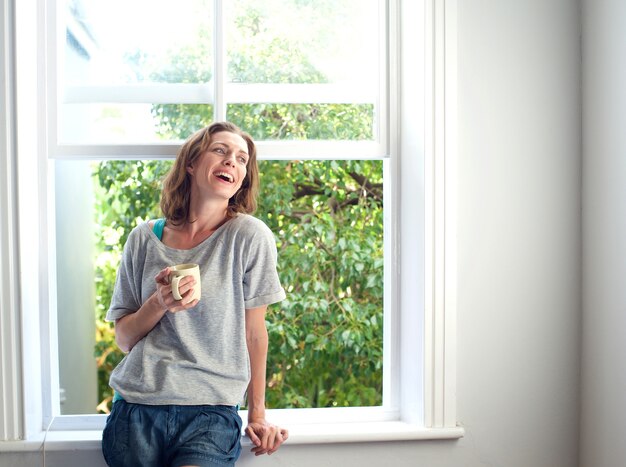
224	176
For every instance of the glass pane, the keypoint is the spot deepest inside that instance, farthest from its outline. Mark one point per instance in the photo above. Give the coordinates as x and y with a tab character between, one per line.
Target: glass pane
75	253
305	121
326	338
303	41
117	42
327	217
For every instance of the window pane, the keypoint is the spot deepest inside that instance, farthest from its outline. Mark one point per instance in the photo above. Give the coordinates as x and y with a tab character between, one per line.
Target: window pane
303	41
122	42
75	252
305	121
325	339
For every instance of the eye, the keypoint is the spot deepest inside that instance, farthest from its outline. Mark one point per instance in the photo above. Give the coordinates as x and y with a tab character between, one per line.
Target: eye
243	160
219	150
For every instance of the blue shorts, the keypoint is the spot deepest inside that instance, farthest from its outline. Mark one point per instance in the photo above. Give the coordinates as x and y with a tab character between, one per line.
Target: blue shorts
139	435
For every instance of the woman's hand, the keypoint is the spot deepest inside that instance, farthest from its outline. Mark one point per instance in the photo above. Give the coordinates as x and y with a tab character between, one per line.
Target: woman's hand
164	292
133	327
266	437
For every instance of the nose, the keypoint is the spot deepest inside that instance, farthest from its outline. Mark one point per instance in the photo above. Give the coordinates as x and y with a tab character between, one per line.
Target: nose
229	159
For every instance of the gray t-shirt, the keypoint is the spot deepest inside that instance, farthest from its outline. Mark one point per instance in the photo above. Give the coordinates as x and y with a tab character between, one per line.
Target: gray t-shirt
198	356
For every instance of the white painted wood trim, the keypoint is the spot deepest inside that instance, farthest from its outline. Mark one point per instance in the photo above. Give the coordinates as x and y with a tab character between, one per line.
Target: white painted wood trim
298	435
219	62
31	180
451	214
11	402
274	150
440	211
232	93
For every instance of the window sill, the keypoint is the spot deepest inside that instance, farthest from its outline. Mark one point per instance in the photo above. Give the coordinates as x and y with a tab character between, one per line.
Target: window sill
315	433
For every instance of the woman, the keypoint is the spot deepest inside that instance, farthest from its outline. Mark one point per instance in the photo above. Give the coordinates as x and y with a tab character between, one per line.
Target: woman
190	362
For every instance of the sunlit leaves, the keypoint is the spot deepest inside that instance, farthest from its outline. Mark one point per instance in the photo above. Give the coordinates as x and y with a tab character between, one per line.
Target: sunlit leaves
328	332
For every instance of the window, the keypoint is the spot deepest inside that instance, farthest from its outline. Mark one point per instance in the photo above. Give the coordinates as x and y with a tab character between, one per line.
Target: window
108	114
290	73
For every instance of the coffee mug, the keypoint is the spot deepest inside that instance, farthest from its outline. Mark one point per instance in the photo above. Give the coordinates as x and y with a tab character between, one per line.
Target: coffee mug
178	272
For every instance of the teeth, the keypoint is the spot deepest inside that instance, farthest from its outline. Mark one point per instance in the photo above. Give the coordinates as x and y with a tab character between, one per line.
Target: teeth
226	175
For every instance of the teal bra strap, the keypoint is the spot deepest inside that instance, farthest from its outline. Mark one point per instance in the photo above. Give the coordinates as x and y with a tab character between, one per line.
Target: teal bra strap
157	228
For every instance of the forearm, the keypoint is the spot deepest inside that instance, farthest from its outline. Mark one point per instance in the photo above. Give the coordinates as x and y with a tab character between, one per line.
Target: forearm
257	348
265	436
131	328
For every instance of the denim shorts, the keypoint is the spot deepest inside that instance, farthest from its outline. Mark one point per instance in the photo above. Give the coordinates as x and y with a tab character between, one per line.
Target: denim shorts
139	435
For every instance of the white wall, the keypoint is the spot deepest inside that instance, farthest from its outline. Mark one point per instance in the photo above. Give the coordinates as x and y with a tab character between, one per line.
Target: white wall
519	252
603	425
519	232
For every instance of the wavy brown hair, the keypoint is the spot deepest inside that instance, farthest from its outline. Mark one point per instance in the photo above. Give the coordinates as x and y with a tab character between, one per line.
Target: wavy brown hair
176	192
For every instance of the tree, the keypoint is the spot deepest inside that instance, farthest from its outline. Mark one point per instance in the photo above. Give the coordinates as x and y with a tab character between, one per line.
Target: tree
326	338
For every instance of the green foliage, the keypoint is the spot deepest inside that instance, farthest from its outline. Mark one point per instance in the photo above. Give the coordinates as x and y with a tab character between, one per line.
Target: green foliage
272	121
178	121
326	338
300	121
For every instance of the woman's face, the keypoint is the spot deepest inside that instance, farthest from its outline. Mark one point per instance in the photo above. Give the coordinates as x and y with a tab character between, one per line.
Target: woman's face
220	171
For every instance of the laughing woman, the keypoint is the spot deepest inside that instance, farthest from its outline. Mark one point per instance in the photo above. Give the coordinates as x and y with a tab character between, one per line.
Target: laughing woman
190	362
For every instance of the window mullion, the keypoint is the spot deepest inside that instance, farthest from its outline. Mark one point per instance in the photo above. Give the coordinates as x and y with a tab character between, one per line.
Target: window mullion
150	93
219	64
450	220
274	150
200	93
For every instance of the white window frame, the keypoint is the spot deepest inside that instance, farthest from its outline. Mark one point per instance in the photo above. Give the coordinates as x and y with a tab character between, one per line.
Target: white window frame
420	400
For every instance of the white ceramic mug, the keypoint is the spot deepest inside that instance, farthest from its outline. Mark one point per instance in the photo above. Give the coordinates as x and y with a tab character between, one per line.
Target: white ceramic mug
178	272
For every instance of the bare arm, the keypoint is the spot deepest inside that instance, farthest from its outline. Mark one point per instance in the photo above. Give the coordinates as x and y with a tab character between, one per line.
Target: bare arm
131	328
256	337
266	437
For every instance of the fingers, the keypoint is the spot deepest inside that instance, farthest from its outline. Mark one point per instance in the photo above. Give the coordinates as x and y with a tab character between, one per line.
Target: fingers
166	297
163	276
266	438
252	435
279	438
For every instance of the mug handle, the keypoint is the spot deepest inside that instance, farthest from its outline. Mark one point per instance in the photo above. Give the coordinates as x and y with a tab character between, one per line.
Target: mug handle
175	291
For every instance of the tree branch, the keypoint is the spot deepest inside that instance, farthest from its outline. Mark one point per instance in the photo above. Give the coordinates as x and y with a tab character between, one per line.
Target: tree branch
375	189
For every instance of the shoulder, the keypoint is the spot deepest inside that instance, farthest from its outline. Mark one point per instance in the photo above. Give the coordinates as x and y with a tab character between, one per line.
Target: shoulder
139	234
250	225
154	223
251	231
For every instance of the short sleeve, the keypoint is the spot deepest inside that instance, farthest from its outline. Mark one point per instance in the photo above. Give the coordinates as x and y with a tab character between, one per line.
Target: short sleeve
126	297
261	284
